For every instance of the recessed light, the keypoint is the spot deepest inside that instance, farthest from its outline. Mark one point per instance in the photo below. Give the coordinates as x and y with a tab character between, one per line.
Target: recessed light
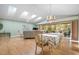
39	18
11	10
24	14
33	16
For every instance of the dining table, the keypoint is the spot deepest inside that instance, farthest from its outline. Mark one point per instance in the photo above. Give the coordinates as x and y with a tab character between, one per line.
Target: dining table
54	38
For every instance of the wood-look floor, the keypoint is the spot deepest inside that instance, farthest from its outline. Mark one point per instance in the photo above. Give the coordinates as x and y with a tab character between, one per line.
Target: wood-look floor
20	46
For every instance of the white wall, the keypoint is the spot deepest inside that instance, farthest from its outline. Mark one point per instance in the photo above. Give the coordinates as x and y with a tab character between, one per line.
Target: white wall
13	27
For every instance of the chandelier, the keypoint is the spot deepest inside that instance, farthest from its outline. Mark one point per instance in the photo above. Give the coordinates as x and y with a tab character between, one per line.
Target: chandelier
50	18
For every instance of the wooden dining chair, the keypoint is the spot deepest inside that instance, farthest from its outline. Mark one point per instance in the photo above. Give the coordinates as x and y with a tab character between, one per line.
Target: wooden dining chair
40	42
53	45
50	47
59	44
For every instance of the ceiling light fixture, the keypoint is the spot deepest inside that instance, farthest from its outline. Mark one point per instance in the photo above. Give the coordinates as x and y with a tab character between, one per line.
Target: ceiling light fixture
36	20
51	18
33	16
24	14
11	10
39	18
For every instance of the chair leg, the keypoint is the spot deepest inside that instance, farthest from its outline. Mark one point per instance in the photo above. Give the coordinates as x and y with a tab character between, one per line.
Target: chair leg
50	49
36	50
42	50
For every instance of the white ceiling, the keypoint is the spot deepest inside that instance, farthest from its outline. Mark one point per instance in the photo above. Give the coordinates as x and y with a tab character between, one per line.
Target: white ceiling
41	10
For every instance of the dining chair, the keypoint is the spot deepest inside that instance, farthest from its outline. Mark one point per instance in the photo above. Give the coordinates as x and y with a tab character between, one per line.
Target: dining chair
40	42
59	44
53	45
50	47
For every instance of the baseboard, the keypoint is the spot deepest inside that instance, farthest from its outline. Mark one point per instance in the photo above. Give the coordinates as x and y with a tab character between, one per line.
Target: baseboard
75	41
16	36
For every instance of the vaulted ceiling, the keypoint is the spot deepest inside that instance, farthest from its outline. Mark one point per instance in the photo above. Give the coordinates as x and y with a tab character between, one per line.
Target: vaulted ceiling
36	13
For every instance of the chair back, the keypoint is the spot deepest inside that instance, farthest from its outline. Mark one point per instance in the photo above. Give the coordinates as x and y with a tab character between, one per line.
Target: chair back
59	42
38	39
